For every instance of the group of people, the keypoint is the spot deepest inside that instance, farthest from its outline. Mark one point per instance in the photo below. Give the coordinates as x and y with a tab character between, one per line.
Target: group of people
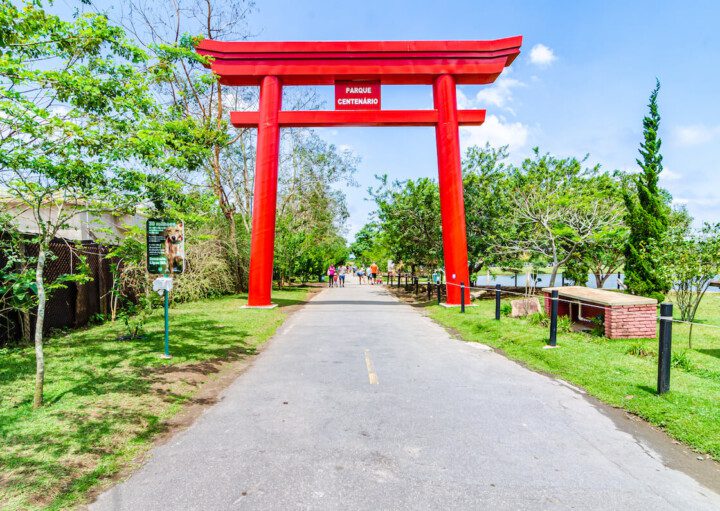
337	275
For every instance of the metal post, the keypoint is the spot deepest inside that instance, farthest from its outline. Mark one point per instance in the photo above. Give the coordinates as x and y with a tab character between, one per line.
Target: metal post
665	348
563	278
429	290
497	301
618	280
437	286
553	318
462	296
516	279
166	296
417	286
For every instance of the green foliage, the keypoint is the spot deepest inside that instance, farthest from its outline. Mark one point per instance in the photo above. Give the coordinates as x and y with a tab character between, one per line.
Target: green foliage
312	214
80	127
487	204
647	212
505	309
689	260
409	217
559	208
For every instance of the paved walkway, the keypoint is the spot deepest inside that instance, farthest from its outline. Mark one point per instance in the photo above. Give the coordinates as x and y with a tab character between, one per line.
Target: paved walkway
360	402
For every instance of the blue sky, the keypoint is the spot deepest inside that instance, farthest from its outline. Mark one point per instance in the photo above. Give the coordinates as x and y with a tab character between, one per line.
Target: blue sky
585	90
580	86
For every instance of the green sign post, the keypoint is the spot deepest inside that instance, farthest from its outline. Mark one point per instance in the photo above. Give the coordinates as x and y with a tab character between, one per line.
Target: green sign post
166	257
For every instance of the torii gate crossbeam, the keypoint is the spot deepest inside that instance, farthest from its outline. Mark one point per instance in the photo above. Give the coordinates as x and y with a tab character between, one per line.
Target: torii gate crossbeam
442	64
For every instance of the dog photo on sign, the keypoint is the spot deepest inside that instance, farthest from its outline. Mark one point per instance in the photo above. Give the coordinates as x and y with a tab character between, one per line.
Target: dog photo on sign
175	248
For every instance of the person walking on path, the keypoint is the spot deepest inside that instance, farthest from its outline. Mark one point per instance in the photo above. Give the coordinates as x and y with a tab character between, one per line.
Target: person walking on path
343	272
360	275
331	275
374	272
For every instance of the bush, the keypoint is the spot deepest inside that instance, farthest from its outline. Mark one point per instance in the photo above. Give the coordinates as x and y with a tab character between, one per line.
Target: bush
539	319
207	272
564	324
505	309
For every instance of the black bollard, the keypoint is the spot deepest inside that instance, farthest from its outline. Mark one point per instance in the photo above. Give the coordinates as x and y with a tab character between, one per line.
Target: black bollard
665	348
437	286
462	296
429	290
553	318
497	301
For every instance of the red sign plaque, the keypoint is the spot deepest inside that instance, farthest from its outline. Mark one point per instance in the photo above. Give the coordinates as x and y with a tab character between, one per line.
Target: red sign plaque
357	95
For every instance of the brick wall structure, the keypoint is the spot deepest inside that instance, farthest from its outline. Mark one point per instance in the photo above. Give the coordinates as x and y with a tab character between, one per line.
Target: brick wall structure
625	316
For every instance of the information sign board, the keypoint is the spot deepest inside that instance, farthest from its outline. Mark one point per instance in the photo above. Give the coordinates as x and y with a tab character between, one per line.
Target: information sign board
165	246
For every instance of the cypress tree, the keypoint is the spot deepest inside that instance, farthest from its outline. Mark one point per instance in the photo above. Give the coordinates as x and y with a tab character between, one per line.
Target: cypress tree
648	211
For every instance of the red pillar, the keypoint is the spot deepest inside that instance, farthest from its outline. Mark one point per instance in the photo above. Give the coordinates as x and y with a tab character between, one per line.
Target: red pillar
452	204
262	245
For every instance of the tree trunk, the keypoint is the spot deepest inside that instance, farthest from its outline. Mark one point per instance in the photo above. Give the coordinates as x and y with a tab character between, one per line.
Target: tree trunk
599	280
25	329
39	320
553	275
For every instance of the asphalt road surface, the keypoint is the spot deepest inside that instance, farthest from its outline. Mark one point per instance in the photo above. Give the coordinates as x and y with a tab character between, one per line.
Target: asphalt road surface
360	402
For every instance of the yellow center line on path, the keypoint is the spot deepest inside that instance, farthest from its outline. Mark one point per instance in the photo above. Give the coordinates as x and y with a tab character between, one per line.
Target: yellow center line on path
372	376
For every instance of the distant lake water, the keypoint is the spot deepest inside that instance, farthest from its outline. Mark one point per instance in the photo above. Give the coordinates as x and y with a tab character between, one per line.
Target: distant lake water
544	281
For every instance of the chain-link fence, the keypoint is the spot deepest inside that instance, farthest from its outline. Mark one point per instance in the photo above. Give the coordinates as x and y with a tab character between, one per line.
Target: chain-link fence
76	304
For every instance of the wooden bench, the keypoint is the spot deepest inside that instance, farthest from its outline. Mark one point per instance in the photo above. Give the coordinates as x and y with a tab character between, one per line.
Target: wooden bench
625	316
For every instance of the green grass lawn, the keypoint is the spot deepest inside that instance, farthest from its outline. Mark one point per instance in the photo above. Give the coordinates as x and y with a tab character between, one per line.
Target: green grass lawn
107	399
614	372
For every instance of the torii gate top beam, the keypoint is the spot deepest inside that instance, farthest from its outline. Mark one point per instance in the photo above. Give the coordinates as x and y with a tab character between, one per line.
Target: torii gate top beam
390	62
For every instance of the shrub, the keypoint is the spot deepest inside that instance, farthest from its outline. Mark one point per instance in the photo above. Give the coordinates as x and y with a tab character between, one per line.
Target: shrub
564	324
505	309
539	319
207	272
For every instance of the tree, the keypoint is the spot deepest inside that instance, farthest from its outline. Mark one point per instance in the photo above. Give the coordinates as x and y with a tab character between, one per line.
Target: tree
409	217
647	212
604	252
558	208
689	261
368	246
311	213
487	204
76	127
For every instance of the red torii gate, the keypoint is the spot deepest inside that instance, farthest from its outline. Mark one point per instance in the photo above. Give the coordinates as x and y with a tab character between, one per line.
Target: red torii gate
442	64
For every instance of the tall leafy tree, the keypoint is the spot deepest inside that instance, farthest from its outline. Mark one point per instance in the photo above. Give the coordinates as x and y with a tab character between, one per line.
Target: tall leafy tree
647	211
689	260
487	204
559	207
78	127
409	216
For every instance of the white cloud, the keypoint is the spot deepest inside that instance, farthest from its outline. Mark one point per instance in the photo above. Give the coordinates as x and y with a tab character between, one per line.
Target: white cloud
497	132
669	175
542	56
498	95
696	134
